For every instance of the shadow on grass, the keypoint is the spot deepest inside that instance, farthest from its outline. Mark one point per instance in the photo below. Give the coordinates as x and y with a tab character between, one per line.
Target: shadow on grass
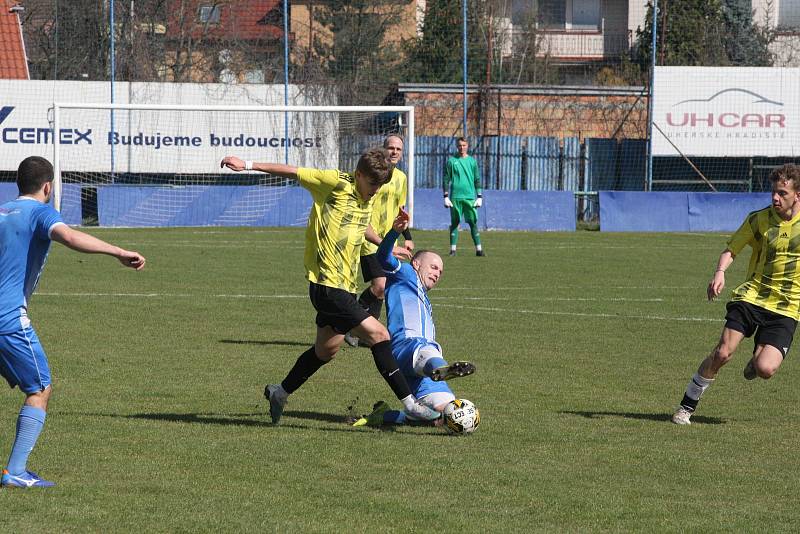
246	419
262	342
646	416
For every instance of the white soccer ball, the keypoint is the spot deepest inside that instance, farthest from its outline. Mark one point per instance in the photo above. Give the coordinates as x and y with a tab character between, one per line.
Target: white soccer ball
461	417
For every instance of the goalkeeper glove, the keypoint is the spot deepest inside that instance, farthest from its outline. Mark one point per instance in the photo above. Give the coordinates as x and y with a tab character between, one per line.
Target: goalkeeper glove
447	202
478	202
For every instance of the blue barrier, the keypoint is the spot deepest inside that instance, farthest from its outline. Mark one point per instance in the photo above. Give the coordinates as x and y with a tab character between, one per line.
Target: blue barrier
635	211
72	209
201	206
550	211
227	206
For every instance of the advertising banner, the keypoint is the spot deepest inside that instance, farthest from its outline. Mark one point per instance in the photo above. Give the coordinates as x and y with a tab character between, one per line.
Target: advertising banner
726	111
188	142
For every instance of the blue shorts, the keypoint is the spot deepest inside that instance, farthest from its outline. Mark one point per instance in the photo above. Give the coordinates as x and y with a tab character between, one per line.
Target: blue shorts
23	362
404	351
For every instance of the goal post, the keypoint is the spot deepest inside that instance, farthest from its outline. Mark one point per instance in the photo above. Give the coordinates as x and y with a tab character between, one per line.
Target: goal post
159	164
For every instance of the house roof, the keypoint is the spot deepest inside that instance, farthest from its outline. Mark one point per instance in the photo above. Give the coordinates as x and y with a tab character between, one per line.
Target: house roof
13	63
242	19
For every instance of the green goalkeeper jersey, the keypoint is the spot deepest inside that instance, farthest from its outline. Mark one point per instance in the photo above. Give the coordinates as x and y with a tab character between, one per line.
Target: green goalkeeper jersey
462	179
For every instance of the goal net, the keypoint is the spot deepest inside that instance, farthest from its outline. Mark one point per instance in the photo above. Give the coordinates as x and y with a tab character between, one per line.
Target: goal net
132	165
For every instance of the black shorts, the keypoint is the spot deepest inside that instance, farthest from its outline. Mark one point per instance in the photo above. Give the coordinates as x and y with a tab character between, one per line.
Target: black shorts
769	327
336	308
371	267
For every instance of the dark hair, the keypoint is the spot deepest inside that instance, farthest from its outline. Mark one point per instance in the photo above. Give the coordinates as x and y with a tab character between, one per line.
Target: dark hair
398	136
462	139
375	165
789	173
32	174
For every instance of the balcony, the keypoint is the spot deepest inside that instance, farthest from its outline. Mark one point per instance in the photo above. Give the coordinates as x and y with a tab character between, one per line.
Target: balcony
579	46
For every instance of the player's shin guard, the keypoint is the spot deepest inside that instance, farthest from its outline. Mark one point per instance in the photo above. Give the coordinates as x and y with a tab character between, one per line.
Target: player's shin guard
387	367
371	303
306	365
694	389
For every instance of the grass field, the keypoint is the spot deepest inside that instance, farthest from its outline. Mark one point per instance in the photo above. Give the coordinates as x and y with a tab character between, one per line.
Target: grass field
584	343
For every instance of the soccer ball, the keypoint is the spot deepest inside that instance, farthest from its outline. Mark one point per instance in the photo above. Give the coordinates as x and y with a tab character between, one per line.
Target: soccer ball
461	417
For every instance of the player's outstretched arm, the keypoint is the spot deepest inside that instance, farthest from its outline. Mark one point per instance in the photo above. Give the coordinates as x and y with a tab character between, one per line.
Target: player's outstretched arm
717	283
238	164
77	240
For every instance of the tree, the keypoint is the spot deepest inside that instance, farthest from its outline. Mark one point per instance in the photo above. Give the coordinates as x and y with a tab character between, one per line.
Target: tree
703	33
436	56
355	52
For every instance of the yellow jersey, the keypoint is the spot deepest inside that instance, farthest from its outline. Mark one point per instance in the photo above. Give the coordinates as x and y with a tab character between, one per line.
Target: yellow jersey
336	227
773	279
385	205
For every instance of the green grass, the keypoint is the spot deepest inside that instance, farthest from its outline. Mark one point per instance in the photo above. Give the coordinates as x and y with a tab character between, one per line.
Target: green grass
584	343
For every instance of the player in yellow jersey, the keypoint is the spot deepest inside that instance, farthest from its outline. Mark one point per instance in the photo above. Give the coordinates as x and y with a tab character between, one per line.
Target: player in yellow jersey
339	217
767	304
385	205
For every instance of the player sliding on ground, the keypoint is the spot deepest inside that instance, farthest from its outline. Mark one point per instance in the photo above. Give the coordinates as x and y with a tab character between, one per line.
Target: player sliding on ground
767	304
27	226
410	319
336	225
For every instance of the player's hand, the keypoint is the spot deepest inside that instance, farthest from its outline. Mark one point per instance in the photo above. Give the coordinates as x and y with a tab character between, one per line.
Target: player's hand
447	202
716	285
233	163
401	221
478	202
409	245
131	259
402	253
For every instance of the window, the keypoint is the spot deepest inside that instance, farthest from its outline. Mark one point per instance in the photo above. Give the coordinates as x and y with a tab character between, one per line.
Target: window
551	14
209	14
789	15
586	14
562	14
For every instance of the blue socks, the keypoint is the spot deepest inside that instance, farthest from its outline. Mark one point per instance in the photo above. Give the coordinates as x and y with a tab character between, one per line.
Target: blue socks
394	417
433	363
29	426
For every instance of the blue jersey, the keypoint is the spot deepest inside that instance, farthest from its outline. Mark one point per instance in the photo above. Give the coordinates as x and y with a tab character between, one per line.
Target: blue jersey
410	316
408	309
25	226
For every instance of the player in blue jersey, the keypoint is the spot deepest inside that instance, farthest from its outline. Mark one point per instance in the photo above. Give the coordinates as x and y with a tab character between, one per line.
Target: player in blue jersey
411	327
27	226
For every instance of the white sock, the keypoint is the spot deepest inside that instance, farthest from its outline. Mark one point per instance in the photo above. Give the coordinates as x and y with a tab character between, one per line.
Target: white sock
478	247
408	402
697	385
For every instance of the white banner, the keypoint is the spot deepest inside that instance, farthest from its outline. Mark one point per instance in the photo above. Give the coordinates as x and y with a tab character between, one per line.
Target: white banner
94	140
726	111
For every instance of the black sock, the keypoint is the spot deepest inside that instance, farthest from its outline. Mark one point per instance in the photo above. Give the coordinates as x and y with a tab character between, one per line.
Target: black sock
387	367
689	404
371	303
306	365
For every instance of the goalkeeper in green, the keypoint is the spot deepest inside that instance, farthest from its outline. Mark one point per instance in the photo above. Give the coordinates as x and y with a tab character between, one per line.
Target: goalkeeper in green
462	194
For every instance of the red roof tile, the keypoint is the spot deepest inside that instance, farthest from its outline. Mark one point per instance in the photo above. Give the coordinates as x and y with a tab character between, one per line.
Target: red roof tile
13	64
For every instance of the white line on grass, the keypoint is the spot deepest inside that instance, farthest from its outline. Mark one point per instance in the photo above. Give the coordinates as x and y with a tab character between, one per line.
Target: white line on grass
559	299
537	288
169	295
578	314
444	305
